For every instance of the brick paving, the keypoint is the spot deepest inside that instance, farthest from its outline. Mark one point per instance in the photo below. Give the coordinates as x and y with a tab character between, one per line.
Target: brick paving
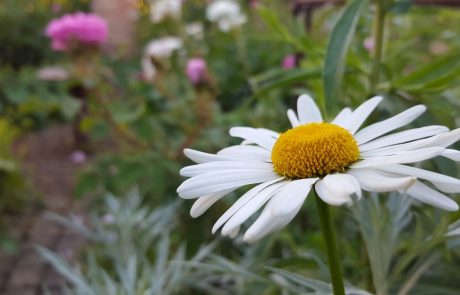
47	166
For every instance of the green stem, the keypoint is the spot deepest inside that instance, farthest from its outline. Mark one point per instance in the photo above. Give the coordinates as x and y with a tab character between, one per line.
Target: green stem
327	228
377	35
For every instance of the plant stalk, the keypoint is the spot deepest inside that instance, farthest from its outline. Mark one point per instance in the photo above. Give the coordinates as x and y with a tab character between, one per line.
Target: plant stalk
327	227
377	36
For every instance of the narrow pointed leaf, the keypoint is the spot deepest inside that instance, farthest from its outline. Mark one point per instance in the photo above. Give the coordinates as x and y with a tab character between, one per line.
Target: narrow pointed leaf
339	42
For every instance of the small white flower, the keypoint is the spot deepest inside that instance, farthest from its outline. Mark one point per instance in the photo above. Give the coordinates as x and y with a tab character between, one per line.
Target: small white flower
162	47
195	30
226	13
53	74
162	9
158	49
335	159
148	69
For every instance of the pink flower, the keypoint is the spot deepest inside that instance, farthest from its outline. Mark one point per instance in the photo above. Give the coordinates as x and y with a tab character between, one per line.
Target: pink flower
78	157
369	43
196	70
289	62
84	28
254	3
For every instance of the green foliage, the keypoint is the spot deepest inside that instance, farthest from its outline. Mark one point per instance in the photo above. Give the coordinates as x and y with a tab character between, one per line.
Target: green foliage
119	174
30	103
131	254
14	193
29	49
339	41
134	251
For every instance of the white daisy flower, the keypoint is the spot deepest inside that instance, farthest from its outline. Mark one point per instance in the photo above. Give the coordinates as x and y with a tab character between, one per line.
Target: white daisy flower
158	49
163	47
335	159
162	9
226	13
195	30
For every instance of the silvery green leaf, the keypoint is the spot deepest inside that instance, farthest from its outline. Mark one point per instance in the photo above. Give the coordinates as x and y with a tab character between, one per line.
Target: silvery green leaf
65	270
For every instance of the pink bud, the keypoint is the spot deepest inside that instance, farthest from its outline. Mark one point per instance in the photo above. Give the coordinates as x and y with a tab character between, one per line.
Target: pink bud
289	62
78	157
369	43
254	3
196	70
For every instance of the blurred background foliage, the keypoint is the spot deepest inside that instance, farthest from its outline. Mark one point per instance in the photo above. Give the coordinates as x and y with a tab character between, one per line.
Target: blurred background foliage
136	128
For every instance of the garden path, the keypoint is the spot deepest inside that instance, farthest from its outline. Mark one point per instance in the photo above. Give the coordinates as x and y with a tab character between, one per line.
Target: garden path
48	167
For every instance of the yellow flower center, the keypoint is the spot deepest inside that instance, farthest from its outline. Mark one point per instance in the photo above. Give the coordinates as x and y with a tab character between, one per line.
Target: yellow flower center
314	150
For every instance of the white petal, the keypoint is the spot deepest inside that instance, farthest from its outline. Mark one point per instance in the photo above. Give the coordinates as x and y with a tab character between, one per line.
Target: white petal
257	136
234	233
266	223
269	132
400	157
385	126
442	182
213	182
342	117
254	204
203	203
308	110
335	189
403	136
291	196
241	202
201	157
293	118
454	155
246	152
440	140
215	166
357	118
427	195
375	181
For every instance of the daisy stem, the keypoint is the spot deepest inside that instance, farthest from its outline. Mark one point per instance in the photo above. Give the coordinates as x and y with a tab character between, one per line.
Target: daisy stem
377	36
327	228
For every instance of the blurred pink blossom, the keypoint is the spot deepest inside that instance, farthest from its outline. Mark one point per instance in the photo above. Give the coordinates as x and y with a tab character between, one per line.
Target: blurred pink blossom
196	70
289	62
78	157
369	43
254	3
84	28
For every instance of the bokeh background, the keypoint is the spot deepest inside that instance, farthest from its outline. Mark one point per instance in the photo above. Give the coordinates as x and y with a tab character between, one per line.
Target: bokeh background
91	140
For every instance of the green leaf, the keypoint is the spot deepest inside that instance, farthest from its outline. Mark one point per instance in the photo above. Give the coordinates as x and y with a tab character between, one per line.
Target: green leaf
7	165
434	76
339	42
70	107
314	285
401	7
280	78
62	267
88	182
275	24
126	113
